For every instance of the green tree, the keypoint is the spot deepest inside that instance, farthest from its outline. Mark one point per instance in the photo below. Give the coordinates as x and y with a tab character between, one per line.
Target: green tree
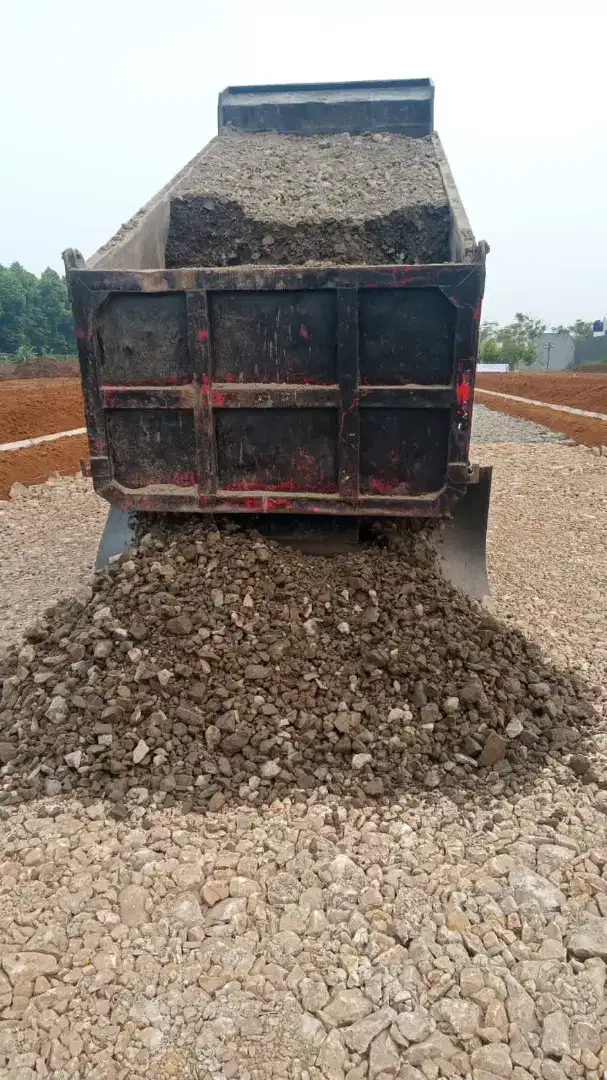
489	351
518	338
513	344
12	311
35	314
53	315
581	330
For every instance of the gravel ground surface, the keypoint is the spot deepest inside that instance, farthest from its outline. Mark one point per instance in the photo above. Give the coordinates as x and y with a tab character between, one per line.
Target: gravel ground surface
275	199
339	924
489	426
48	541
582	430
547	549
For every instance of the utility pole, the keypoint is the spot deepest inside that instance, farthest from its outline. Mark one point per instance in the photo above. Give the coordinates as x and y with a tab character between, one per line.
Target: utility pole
548	347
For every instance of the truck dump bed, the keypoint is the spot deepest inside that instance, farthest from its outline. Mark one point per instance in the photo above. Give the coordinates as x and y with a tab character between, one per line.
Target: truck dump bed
318	389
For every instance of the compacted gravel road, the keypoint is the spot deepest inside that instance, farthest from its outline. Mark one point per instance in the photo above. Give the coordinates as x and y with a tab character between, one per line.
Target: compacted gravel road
489	426
261	817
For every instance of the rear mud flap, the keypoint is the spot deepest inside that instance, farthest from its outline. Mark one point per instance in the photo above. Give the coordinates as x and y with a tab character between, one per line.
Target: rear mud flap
117	536
464	552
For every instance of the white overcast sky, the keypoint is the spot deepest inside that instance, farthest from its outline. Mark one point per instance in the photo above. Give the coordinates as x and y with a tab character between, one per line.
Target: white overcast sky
104	101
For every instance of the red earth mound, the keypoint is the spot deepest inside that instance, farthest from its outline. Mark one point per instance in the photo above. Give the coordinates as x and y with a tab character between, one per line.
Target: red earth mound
43	367
39	407
34	464
582	391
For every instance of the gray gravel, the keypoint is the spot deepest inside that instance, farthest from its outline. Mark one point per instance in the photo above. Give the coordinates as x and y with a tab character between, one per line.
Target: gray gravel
275	199
489	426
49	535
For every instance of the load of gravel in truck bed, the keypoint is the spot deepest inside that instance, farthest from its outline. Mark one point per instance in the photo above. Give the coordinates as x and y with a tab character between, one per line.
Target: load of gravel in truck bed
287	200
212	666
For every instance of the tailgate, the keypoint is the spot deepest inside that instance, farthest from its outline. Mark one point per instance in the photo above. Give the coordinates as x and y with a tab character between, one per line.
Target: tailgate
337	390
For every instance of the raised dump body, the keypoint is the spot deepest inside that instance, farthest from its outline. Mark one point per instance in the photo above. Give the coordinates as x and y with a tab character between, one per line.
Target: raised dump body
325	389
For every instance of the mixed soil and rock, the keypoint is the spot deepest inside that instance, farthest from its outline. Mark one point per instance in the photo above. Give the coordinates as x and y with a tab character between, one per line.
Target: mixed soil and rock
225	668
282	199
265	815
40	367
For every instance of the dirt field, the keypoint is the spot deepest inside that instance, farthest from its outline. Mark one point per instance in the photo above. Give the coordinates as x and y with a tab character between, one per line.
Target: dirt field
34	464
579	428
557	388
43	367
39	407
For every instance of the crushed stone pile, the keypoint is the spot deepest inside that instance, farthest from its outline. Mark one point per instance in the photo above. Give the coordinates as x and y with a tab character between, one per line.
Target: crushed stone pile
282	199
209	666
400	867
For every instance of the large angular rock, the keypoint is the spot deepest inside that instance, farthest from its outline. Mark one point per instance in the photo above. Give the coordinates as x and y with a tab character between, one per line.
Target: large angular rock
437	1045
493	751
526	886
226	910
384	1059
494	1058
463	1018
348	1006
412	1027
520	1006
27	966
590	939
360	1035
555	1035
333	1057
311	1031
131	905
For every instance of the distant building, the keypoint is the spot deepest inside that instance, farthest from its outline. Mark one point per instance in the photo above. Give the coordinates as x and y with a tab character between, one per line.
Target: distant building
554	352
591	351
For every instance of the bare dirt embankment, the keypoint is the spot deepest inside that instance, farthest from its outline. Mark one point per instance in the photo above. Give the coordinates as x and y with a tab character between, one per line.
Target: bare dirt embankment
39	407
579	428
579	391
34	464
35	407
43	367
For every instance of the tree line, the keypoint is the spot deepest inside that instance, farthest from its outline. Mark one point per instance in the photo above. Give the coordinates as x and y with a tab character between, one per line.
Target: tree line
514	344
35	314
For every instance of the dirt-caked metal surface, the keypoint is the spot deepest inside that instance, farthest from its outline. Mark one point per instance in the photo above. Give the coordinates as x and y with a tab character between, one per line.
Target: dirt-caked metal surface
325	391
342	392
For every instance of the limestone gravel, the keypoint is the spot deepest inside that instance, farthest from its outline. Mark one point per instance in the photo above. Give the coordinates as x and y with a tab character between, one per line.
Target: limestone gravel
200	914
319	921
547	550
490	426
49	536
276	199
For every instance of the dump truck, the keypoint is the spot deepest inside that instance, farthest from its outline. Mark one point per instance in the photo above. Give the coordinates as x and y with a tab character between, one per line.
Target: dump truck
309	395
